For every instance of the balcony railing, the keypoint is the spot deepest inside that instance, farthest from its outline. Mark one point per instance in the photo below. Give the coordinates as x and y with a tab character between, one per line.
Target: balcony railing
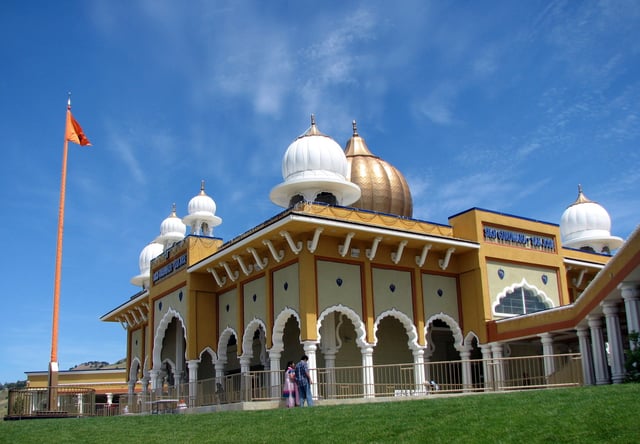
393	380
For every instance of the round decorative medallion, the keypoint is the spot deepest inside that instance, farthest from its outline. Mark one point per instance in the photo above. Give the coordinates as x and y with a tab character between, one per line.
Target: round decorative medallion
286	286
392	287
227	308
500	273
440	292
545	279
160	305
254	297
339	282
180	296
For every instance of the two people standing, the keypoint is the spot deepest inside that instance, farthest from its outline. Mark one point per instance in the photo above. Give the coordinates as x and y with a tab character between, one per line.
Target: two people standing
297	383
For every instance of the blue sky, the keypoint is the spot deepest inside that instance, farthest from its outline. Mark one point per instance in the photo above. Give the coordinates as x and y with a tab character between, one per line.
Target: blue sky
501	105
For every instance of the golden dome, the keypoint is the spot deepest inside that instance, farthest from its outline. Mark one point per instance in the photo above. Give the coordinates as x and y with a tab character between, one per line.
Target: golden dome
384	188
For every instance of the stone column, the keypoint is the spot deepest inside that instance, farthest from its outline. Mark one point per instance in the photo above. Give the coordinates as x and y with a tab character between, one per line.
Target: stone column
368	379
614	336
193	381
587	358
418	371
310	348
599	354
245	378
156	381
498	365
465	355
547	355
109	399
487	367
330	363
275	373
631	295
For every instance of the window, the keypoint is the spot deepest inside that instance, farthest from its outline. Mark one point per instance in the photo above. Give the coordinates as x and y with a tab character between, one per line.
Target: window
521	300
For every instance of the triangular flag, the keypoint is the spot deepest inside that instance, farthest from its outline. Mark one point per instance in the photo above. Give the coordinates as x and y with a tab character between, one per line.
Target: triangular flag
74	131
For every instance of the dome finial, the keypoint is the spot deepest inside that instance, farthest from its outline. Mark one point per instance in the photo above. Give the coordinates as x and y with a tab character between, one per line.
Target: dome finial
355	127
202	187
581	197
313	119
173	210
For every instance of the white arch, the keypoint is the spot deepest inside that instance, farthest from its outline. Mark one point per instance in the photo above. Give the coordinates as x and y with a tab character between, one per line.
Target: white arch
223	341
247	339
453	325
209	350
409	328
361	331
133	369
468	340
160	332
523	283
278	329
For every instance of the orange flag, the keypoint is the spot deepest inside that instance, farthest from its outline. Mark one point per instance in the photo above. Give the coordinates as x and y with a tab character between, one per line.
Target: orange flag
74	131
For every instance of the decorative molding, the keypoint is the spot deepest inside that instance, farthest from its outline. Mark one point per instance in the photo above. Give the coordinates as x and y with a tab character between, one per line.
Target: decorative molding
260	263
370	253
219	280
420	260
232	275
296	247
313	244
444	262
277	255
246	269
344	248
397	255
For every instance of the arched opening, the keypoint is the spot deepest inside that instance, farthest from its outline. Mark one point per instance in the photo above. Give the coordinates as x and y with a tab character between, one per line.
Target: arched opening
443	368
326	198
206	367
293	349
296	200
392	346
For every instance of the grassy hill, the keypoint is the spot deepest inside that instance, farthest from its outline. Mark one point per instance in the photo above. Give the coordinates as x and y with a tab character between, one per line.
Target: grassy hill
603	414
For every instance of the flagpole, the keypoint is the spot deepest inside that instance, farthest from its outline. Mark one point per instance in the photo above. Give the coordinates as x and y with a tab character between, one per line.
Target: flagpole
53	364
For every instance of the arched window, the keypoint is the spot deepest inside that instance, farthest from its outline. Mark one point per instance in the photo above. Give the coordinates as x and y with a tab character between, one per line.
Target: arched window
296	199
326	198
521	300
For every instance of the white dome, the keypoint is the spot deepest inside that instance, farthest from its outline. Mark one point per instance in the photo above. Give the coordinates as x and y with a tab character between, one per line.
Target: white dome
201	217
172	229
314	155
201	204
148	253
314	164
587	224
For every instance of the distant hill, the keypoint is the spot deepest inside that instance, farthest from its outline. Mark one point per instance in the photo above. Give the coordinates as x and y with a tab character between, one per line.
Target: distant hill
95	365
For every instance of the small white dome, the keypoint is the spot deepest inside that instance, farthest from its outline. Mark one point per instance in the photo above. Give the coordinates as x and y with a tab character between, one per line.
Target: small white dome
201	217
586	224
314	165
172	229
148	253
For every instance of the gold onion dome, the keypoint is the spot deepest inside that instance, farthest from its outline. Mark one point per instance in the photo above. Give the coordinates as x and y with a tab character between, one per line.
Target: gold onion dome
384	188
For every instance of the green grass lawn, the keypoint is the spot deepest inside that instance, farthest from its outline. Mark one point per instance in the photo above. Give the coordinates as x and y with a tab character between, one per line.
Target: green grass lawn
584	415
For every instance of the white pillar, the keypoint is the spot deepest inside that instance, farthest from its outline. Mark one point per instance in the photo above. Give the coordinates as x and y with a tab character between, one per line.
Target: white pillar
368	379
587	358
330	364
310	348
631	295
498	369
547	354
193	381
179	376
487	367
109	398
245	378
599	354
418	370
156	381
614	337
465	355
275	370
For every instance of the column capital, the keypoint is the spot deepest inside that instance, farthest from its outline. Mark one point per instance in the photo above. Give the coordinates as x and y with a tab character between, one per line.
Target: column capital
546	338
594	321
310	346
630	289
609	307
582	331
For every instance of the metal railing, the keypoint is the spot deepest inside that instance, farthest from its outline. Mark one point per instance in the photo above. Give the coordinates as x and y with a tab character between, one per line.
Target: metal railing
393	380
33	402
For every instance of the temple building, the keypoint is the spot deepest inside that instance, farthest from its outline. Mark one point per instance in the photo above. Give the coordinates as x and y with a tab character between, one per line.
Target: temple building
347	276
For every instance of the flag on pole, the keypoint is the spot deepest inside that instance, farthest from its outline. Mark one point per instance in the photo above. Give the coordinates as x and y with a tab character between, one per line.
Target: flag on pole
74	131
